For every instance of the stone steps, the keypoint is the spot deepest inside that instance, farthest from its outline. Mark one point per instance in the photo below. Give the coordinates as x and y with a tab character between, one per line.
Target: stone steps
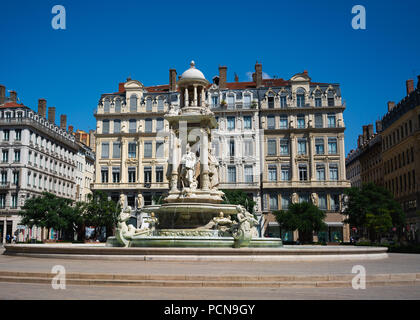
270	281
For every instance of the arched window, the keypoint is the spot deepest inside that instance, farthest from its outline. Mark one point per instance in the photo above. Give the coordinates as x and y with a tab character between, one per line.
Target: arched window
133	103
330	97
318	98
161	101
247	100
270	100
300	97
149	106
283	99
106	105
118	105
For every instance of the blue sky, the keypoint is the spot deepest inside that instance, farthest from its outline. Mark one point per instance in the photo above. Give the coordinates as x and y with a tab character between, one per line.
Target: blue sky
107	41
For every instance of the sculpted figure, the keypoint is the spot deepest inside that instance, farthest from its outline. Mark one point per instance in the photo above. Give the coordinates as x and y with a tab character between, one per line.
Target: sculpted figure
314	198
139	200
213	170
153	222
188	162
122	200
124	232
246	229
295	198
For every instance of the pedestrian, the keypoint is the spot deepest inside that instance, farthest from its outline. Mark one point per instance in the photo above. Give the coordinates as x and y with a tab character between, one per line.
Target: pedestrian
7	238
14	238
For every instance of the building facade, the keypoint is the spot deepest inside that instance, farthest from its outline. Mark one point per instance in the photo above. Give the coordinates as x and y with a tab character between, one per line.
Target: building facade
280	141
85	173
37	156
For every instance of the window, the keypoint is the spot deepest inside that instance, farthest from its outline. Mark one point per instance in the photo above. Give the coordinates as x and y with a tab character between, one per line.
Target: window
116	150
284	147
231	174
105	126
304	197
319	122
283	122
300	98
231	123
215	101
132	147
319	145
215	148
133	103
247	101
285	172
231	101
331	98
248	147
271	147
15	177
148	125
159	124
117	126
283	100
333	172
249	176
132	126
160	104
272	173
232	148
271	122
3	177
322	201
148	149
332	145
270	102
131	174
147	174
14	201
106	105
320	172
301	146
247	122
2	201
303	173
331	120
159	174
17	155
301	121
334	202
159	149
18	134
318	99
274	204
105	151
6	135
118	106
115	174
285	201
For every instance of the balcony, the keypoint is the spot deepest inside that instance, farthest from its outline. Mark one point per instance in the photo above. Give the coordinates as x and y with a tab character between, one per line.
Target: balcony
4	185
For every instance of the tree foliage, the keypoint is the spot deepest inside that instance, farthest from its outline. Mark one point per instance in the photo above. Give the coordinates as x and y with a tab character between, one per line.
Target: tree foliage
304	217
373	208
240	198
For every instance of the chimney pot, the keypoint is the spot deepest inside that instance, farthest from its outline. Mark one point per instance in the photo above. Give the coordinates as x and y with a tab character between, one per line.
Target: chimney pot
172	80
71	129
391	105
410	86
2	93
63	122
258	75
222	77
51	114
370	131
13	96
378	126
42	107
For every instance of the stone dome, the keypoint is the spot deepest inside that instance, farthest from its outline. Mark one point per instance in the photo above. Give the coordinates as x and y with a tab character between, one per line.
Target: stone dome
193	73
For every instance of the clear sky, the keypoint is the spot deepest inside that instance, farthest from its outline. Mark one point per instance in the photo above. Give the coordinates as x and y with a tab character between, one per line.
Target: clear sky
107	41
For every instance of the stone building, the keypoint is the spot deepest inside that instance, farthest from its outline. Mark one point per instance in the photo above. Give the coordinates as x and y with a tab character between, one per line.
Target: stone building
85	173
401	154
277	140
37	156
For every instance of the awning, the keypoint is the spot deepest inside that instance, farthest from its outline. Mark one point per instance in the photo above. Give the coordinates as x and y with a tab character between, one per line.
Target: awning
334	224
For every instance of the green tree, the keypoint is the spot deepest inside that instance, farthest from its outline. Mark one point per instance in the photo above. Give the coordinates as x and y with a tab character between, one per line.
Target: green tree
50	211
100	212
304	217
239	197
378	224
373	200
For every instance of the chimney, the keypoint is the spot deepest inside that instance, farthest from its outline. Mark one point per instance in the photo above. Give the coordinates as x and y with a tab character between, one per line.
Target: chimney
258	75
391	105
51	114
63	122
42	107
370	131
378	126
359	141
410	86
365	133
172	80
13	96
236	78
222	77
2	94
71	129
121	87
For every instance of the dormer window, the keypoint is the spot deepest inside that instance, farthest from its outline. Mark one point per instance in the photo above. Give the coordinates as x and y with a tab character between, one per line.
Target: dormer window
318	99
331	98
106	105
300	98
149	106
118	105
133	103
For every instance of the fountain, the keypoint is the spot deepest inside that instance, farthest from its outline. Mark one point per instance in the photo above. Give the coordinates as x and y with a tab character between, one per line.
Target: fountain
192	214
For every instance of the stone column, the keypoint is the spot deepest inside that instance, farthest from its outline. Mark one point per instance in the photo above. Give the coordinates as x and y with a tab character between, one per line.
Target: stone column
311	157
174	160
195	95
203	97
123	178
342	153
205	182
186	103
292	157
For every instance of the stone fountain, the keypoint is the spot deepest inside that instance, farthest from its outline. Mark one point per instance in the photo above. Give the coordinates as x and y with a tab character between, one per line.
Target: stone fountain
192	214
